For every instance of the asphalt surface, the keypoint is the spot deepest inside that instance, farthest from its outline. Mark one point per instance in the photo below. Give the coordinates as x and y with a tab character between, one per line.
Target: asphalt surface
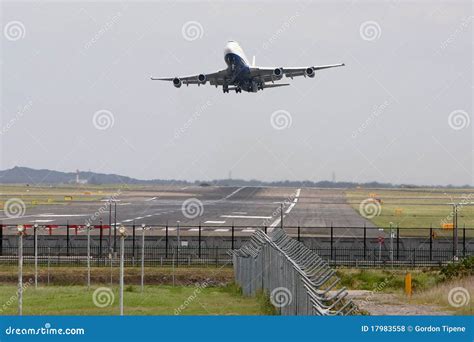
216	208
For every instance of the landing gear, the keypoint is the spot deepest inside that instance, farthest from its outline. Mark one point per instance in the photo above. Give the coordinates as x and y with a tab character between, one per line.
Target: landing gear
238	90
225	88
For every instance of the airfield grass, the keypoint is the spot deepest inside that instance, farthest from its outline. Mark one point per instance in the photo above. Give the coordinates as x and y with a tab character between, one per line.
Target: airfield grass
428	285
410	209
47	195
166	291
155	300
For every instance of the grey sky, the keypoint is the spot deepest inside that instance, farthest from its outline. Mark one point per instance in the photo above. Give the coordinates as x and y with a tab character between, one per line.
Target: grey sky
384	117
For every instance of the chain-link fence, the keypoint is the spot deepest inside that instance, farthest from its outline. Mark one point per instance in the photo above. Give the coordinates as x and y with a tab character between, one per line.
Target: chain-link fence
298	281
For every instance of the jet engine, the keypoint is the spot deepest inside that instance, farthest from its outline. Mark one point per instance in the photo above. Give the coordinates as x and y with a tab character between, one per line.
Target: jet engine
177	82
202	79
278	73
309	72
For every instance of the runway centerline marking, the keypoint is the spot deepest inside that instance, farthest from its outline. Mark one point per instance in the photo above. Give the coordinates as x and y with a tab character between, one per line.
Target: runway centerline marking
287	211
221	230
247	217
63	215
216	222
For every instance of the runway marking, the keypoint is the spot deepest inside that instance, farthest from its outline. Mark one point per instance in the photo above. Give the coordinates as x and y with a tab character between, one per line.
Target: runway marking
151	199
63	215
128	203
193	229
233	193
129	220
138	218
287	211
221	230
239	212
248	217
290	207
248	230
216	222
42	221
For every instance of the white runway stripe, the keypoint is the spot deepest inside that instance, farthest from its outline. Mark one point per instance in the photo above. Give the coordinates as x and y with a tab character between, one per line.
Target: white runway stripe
247	217
215	222
221	230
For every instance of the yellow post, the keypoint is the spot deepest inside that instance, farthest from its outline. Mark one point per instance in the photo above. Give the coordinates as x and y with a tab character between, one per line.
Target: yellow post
408	289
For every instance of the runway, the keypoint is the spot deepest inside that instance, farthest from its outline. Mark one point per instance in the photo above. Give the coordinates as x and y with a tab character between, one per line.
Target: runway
217	208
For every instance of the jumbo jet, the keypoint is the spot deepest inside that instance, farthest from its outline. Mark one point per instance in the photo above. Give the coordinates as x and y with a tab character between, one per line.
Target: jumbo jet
240	75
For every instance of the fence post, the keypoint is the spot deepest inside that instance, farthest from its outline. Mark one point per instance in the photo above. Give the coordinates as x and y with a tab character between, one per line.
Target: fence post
299	235
365	241
265	229
199	240
101	235
1	239
133	242
431	243
332	240
166	241
232	243
463	241
67	237
398	243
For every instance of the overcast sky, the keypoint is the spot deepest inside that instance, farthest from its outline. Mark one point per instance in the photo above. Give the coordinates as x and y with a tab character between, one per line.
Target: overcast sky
76	90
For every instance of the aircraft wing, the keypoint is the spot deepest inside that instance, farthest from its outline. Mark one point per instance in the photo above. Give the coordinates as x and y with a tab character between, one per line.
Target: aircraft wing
272	74
215	78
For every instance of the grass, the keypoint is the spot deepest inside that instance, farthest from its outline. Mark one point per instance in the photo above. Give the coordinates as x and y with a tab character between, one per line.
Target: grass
387	280
219	276
156	300
439	295
420	208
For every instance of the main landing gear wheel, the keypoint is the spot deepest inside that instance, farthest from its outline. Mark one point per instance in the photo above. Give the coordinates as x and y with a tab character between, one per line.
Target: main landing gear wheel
238	90
225	89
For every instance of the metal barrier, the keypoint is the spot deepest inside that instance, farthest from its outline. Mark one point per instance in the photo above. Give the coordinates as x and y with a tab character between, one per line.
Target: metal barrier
298	280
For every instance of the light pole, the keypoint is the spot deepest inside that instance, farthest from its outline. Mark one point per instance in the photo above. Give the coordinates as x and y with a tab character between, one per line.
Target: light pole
143	257
123	234
88	227
35	233
21	232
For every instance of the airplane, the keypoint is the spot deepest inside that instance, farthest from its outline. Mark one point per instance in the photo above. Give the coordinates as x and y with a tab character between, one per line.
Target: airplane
240	75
